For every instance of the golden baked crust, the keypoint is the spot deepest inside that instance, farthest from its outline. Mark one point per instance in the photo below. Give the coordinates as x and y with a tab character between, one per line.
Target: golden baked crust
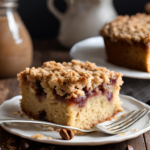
69	78
75	94
131	29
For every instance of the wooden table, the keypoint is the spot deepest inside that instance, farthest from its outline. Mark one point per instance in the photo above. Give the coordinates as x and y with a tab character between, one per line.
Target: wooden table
45	50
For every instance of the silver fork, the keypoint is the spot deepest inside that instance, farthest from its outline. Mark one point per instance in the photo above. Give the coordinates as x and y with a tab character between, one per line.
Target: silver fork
118	126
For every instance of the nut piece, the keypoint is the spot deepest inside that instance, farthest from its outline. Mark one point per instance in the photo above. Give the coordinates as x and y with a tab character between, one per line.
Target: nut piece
129	147
66	134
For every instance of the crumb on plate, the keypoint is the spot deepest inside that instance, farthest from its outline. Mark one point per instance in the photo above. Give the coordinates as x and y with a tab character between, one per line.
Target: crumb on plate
122	134
16	113
40	136
51	129
133	130
123	114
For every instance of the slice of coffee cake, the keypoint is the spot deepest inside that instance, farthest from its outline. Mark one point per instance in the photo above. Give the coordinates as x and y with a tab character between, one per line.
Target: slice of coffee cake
127	41
74	93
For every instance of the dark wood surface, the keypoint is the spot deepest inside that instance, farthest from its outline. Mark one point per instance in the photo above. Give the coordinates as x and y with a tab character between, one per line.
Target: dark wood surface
45	50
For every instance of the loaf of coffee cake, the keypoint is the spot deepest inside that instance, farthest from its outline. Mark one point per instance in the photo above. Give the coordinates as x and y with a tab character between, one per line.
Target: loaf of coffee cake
75	93
127	41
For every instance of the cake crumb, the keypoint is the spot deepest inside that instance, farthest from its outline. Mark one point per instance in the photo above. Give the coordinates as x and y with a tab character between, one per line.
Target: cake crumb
40	136
16	113
77	132
123	114
50	129
22	115
133	130
122	134
43	126
117	117
58	130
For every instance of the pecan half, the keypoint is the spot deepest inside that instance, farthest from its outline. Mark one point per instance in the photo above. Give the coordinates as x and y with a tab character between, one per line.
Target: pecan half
66	134
129	147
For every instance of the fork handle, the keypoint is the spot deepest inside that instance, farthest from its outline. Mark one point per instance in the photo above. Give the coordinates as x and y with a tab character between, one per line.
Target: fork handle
39	122
34	121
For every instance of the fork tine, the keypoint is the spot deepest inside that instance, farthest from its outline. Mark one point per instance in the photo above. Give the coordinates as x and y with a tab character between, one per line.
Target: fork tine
120	119
129	124
126	120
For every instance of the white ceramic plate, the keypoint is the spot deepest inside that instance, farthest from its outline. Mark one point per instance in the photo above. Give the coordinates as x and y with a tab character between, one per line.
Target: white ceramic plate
95	138
93	50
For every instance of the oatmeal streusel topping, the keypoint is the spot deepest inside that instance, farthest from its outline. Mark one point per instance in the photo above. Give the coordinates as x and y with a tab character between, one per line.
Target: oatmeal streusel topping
69	79
129	28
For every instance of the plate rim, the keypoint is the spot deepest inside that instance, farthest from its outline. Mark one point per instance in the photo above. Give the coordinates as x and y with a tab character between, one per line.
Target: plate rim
73	49
62	142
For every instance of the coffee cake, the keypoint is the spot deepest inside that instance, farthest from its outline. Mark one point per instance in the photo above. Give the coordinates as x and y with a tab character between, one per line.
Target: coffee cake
75	93
127	41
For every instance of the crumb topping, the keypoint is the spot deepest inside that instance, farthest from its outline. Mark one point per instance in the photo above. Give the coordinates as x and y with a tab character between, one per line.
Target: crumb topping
69	79
129	28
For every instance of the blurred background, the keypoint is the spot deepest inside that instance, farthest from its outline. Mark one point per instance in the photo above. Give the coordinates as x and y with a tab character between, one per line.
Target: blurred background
70	21
41	23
